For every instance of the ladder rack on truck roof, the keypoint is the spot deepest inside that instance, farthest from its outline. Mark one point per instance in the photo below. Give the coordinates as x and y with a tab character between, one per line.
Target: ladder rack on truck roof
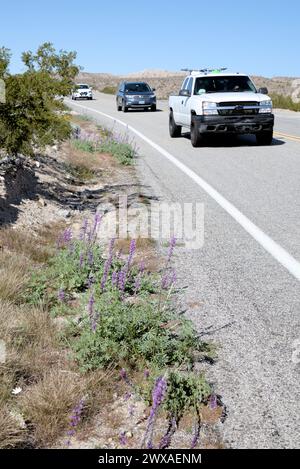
205	71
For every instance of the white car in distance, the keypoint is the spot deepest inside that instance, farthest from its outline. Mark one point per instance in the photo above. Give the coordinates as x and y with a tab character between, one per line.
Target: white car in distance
82	91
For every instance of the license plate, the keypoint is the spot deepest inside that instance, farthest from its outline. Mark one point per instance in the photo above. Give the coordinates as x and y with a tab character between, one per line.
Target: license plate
142	102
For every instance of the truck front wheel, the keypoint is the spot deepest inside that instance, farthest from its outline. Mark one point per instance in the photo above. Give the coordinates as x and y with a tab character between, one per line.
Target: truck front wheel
196	137
265	137
175	130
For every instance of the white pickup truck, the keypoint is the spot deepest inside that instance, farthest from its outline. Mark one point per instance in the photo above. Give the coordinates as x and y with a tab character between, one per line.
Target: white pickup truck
216	102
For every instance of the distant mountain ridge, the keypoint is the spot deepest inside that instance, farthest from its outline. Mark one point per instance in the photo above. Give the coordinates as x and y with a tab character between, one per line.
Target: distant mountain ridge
168	82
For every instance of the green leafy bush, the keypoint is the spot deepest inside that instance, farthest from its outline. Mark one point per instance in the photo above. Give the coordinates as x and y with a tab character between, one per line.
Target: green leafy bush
32	115
132	333
284	102
109	90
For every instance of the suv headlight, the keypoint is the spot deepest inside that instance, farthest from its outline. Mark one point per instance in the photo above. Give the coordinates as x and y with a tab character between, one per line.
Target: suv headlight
266	107
209	108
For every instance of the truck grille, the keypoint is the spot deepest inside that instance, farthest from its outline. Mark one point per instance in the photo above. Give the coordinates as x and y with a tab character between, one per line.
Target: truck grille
238	108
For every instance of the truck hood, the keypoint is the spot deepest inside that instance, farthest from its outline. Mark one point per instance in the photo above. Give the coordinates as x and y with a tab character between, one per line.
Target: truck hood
236	97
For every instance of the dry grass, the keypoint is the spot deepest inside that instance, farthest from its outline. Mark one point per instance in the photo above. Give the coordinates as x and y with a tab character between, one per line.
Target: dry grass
92	162
48	404
35	246
12	435
13	276
146	251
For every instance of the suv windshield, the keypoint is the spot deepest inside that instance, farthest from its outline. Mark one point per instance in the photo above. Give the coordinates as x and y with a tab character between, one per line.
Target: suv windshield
137	88
228	84
82	87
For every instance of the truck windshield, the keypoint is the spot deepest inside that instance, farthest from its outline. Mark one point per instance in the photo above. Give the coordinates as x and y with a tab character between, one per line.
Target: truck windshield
227	84
137	88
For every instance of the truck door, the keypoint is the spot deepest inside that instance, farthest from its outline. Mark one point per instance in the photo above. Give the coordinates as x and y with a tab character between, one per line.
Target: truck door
177	104
185	109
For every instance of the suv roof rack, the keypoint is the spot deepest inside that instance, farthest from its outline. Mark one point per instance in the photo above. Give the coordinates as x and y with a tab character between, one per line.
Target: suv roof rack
205	71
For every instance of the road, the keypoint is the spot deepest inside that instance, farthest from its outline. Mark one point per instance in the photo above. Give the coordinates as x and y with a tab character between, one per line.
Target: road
243	285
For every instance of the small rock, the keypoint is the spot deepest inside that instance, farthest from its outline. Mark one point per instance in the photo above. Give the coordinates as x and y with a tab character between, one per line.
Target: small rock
129	435
64	213
42	202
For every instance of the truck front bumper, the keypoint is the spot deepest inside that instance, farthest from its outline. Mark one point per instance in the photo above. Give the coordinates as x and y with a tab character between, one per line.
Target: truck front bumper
234	124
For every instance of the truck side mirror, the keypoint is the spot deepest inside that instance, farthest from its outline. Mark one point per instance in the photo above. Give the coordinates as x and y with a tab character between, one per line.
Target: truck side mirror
263	90
185	93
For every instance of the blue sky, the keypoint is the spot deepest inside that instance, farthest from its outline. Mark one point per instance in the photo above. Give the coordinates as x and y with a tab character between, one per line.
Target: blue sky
257	37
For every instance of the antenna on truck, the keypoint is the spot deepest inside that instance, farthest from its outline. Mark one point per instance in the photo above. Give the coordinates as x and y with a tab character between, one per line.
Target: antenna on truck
204	70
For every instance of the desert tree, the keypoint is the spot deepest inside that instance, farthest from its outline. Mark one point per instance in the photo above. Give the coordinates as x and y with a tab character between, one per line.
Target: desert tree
32	114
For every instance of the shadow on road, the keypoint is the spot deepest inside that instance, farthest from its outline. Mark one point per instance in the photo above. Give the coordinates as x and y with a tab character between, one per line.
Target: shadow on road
233	141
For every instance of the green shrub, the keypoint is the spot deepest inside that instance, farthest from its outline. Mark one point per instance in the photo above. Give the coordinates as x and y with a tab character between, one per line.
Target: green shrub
284	102
132	333
32	114
68	271
109	90
123	152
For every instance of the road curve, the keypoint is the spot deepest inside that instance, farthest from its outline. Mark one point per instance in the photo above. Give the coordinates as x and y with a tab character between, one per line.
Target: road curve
240	295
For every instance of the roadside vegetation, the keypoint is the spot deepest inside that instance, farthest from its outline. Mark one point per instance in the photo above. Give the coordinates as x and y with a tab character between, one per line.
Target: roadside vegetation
79	322
109	90
82	323
284	102
32	98
105	141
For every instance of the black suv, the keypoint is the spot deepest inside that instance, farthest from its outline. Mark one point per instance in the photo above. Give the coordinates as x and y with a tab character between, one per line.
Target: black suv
135	95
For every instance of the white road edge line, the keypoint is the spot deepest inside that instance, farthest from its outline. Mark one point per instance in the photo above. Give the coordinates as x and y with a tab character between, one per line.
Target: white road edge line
276	251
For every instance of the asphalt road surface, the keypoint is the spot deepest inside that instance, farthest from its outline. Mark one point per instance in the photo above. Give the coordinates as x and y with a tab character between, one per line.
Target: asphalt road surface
243	284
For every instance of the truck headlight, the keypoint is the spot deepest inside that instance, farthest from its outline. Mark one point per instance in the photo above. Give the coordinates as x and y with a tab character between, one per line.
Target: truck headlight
209	108
266	107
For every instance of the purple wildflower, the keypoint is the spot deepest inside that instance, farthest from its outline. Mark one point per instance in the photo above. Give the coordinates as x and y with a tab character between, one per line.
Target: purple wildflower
127	396
107	265
171	248
142	267
168	280
131	411
131	252
146	374
123	439
65	239
213	402
61	295
123	374
196	435
114	278
122	280
167	438
158	395
75	420
93	232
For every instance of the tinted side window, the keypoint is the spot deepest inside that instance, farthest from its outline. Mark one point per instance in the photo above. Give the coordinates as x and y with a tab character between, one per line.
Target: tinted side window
184	84
190	85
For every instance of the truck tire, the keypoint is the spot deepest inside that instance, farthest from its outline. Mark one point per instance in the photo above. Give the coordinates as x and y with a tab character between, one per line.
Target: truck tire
196	137
153	108
175	130
264	137
124	107
119	108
